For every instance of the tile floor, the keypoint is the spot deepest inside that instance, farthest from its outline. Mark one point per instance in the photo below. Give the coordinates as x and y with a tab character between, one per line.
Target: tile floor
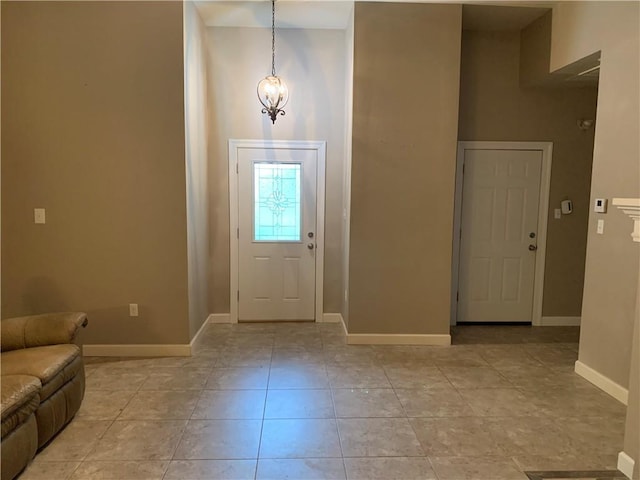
275	401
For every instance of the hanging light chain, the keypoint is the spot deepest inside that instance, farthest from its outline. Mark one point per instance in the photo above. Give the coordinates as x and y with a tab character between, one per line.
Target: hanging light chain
273	38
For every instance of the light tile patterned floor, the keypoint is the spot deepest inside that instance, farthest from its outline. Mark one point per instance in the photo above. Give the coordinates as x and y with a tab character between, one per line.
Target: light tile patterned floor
273	401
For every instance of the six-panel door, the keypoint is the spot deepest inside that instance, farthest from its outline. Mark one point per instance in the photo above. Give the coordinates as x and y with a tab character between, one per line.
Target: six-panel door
498	235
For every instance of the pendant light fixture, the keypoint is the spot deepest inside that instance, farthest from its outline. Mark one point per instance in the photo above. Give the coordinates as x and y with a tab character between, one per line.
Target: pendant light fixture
272	91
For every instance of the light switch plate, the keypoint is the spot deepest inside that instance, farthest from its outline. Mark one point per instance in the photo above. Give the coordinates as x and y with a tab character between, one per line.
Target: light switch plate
39	215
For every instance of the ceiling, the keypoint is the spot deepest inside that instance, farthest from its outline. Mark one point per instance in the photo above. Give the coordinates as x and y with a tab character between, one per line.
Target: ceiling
476	15
289	13
499	18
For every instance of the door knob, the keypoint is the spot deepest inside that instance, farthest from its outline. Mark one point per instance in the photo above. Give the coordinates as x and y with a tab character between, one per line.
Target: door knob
533	248
310	246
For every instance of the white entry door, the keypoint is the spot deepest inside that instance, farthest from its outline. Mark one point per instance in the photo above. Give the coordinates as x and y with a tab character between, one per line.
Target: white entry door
499	229
277	238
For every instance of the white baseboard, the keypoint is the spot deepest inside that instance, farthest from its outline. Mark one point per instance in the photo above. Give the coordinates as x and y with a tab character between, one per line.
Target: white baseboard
397	339
145	350
331	318
226	318
560	321
196	338
344	326
626	464
219	318
603	383
151	350
394	339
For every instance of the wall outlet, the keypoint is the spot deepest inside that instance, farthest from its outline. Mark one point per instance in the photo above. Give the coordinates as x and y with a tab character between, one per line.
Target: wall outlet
39	215
133	309
557	213
600	227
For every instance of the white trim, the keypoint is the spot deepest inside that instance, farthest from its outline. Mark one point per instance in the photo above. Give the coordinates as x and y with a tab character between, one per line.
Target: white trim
397	339
560	321
344	326
626	464
196	338
543	206
332	318
393	338
146	350
603	383
219	318
151	350
320	147
631	207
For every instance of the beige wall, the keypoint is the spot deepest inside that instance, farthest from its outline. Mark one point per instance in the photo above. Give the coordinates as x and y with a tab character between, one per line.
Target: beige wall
612	263
535	51
608	336
405	117
349	39
494	107
196	143
95	135
312	62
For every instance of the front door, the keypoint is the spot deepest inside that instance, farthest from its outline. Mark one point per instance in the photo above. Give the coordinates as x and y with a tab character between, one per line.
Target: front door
277	189
499	227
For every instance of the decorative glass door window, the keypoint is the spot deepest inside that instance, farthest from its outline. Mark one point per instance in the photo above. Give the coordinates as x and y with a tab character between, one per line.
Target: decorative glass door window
276	210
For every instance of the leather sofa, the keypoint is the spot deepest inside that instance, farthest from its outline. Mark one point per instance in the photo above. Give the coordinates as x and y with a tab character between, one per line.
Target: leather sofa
42	383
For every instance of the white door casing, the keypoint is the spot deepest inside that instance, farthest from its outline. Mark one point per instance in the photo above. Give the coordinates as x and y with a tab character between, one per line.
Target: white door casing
276	278
501	198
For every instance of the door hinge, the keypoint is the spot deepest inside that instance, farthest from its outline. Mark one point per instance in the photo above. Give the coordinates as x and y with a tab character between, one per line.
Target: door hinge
463	168
457	296
238	295
237	168
238	233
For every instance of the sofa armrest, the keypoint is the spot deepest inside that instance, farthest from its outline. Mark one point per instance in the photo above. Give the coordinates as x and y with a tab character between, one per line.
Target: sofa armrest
40	330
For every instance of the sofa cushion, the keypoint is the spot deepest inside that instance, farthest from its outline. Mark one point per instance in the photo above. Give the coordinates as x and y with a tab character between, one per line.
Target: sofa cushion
19	400
54	365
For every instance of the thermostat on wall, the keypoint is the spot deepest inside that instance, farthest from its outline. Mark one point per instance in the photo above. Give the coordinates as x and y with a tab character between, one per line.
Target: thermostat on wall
600	205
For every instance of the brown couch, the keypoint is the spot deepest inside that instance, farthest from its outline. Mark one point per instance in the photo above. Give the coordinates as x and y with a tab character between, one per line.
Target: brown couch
42	383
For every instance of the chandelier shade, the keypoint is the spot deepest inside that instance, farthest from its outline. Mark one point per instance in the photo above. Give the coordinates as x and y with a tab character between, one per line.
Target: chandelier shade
273	95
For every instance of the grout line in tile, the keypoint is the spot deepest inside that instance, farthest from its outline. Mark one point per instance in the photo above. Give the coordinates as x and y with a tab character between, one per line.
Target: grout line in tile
264	409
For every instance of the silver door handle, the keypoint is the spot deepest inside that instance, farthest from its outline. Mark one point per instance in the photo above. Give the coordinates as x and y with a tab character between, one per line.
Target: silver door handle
533	248
310	246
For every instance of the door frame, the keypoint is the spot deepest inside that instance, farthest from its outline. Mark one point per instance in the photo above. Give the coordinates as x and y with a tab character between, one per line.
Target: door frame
543	214
234	145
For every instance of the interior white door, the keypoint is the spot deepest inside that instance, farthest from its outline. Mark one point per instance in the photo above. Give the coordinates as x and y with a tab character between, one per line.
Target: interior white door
498	242
276	236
